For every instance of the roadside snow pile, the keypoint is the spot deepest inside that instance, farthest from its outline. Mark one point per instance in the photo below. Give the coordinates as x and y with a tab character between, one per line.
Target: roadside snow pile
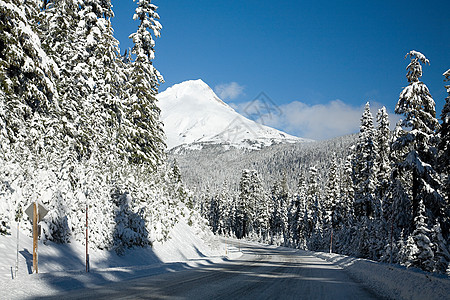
62	267
392	281
188	243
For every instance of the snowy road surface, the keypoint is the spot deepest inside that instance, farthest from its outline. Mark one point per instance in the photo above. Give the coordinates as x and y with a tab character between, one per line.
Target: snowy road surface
262	272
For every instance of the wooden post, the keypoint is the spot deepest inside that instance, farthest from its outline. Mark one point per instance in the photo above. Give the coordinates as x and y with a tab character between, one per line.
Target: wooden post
392	239
87	247
35	237
17	252
331	240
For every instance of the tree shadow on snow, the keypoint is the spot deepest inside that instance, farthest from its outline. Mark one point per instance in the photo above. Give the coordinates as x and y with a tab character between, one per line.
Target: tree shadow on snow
200	254
131	256
28	258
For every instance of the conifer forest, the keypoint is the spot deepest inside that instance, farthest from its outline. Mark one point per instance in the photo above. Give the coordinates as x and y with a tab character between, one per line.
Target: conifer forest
80	132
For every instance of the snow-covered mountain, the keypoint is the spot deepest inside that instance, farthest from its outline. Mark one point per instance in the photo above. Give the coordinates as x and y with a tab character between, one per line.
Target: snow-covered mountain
194	115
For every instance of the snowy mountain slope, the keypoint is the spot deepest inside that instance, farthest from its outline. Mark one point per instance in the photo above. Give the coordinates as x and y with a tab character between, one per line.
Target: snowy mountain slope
193	114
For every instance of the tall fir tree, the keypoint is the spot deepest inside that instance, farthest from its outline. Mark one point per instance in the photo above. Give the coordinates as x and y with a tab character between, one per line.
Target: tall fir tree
419	247
383	161
444	154
280	205
332	201
146	139
313	213
332	204
26	71
364	168
300	225
244	208
416	140
347	191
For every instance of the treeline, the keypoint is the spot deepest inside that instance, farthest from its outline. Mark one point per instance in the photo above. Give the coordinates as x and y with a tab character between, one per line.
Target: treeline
79	124
386	198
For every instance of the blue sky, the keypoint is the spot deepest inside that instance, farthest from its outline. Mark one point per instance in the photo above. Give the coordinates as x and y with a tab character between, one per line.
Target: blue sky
319	61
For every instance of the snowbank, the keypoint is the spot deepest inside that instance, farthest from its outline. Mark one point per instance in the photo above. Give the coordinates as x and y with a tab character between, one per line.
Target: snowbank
62	267
392	281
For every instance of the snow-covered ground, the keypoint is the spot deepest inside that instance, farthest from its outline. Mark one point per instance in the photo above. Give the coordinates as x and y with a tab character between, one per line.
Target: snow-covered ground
392	281
62	267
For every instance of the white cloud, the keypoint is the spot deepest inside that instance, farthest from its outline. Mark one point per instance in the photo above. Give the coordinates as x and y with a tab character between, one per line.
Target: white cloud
321	121
229	91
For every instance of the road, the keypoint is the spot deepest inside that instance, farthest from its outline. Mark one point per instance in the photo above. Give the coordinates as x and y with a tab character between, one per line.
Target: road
262	272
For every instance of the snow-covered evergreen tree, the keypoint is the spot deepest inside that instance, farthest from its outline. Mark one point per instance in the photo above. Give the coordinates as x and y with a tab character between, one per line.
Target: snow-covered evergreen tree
130	227
251	202
440	250
214	213
415	143
419	247
347	191
397	199
383	161
415	176
444	155
263	212
301	224
332	201
243	208
364	168
146	137
280	206
225	209
26	71
314	215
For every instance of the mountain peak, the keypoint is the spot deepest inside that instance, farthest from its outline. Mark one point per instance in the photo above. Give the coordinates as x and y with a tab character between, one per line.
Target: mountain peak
193	114
192	89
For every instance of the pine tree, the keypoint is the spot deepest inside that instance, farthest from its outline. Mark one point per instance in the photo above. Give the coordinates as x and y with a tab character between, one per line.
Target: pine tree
314	215
415	142
347	192
176	187
262	212
440	249
145	142
225	221
444	157
243	213
279	218
301	213
332	202
292	223
26	72
333	215
419	247
364	168
129	228
214	214
383	158
251	199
